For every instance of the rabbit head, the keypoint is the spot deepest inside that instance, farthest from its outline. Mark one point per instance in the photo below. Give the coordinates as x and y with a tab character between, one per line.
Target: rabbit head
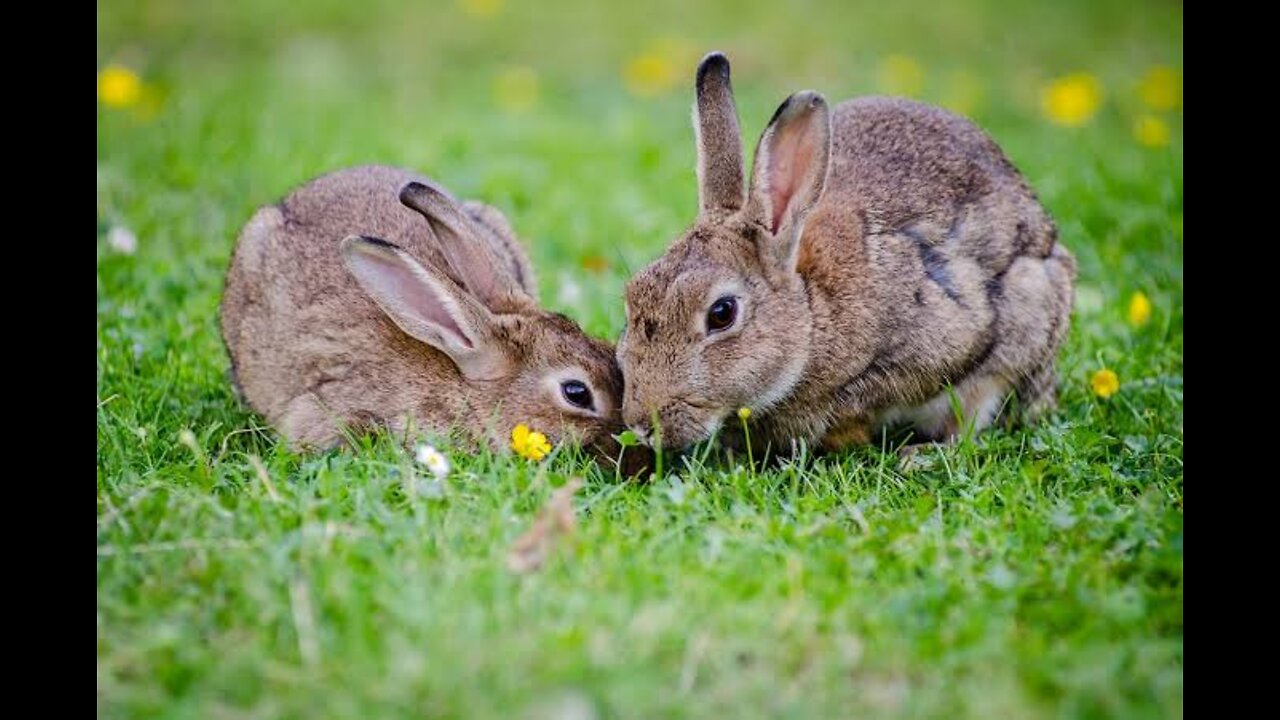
518	362
722	321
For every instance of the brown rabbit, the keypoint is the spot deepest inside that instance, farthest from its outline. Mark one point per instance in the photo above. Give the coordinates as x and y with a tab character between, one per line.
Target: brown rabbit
885	259
345	308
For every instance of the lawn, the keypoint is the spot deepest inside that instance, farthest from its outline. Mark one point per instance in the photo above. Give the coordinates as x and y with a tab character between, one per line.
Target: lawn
1031	573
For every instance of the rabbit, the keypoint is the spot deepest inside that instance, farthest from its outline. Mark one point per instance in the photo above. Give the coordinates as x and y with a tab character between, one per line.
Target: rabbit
886	265
345	308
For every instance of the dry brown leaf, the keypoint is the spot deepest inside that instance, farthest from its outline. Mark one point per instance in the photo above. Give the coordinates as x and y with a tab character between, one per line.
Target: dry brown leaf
530	550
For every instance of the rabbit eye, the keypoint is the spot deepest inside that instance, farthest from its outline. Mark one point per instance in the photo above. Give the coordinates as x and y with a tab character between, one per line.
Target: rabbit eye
577	394
722	314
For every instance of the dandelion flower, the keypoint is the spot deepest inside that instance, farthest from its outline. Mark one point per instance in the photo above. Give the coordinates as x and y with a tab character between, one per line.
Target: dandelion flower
657	69
1139	309
516	89
744	413
1151	131
434	460
528	443
595	263
118	86
649	74
1104	383
901	75
1072	100
1160	89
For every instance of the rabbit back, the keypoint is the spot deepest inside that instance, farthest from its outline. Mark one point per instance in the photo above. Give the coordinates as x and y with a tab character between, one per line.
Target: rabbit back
309	349
924	213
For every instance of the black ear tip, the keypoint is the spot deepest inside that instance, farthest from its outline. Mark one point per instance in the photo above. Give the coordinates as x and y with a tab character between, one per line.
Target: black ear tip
781	109
379	242
416	194
715	64
412	191
716	57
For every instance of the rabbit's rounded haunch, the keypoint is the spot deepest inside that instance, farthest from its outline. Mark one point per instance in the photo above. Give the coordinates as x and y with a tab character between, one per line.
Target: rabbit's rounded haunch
883	263
369	297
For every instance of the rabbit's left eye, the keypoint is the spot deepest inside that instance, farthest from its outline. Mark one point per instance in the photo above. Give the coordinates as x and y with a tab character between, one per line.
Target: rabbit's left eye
577	394
722	313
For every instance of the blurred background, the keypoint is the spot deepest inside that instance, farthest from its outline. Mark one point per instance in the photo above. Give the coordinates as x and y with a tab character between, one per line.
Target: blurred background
574	117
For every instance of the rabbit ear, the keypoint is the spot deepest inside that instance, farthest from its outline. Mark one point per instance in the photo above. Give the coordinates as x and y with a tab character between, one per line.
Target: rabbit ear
426	305
715	124
790	171
485	275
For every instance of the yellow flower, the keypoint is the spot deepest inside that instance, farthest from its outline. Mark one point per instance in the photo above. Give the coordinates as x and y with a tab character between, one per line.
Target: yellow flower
1160	90
1151	131
516	89
744	413
659	68
1139	309
901	75
1104	383
481	8
118	86
595	263
529	444
649	74
1072	100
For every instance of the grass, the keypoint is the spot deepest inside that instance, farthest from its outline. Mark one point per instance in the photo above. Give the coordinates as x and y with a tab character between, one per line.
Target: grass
1034	573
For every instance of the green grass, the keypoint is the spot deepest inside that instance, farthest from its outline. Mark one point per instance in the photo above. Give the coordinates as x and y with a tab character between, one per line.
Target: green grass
1034	573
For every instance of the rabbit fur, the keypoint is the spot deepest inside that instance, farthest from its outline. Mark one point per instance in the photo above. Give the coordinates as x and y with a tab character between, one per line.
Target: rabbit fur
370	297
886	263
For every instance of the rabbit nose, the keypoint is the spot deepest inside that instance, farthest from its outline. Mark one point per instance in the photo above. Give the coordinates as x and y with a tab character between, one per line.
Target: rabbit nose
642	431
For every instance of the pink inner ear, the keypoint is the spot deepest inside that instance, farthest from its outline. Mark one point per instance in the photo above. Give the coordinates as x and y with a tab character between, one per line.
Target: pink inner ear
404	293
790	155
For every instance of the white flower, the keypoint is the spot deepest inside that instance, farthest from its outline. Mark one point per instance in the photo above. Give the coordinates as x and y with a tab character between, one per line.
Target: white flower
122	240
570	292
433	459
